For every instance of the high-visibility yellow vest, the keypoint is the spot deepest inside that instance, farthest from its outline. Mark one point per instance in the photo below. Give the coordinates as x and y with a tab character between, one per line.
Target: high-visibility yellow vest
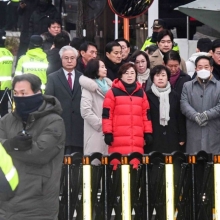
35	62
10	172
6	64
148	43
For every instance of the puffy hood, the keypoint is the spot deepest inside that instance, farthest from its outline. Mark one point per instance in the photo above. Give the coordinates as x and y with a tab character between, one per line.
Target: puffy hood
195	55
36	54
90	84
118	84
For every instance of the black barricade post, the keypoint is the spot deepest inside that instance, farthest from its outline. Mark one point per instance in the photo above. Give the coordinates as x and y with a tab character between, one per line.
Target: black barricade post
105	196
217	186
157	192
137	188
96	190
182	186
202	186
71	180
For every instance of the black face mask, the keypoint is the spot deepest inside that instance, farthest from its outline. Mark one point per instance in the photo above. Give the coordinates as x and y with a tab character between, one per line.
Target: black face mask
27	104
154	37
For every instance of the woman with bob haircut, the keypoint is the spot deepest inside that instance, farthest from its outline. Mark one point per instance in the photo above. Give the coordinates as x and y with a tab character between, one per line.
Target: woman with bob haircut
142	64
125	117
168	122
94	87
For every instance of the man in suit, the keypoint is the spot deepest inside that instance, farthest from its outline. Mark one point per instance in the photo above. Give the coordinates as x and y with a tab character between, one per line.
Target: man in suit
64	85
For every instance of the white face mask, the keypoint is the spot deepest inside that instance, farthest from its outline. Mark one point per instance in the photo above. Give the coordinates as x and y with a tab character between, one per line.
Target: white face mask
203	74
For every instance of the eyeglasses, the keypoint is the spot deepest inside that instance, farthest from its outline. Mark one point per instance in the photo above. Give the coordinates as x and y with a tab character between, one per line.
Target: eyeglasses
69	58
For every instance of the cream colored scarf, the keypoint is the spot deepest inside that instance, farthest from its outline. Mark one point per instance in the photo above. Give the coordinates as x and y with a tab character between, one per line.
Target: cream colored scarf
163	95
143	77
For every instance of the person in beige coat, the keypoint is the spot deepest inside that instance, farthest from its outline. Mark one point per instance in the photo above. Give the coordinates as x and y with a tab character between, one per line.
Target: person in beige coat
165	44
94	87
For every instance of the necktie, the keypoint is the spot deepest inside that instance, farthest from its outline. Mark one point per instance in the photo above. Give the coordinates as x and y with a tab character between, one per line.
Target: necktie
70	80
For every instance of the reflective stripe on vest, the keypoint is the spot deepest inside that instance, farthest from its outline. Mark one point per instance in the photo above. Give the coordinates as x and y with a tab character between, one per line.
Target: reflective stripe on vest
35	65
8	169
18	73
5	78
6	58
43	87
11	173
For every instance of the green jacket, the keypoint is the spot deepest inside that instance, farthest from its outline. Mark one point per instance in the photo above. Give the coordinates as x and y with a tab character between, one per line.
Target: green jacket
8	175
148	43
35	62
6	64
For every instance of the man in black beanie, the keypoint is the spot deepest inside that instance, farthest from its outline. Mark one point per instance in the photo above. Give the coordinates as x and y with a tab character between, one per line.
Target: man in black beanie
216	58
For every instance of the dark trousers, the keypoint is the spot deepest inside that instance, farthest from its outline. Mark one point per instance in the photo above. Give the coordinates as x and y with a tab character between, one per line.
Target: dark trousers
4	103
73	149
12	16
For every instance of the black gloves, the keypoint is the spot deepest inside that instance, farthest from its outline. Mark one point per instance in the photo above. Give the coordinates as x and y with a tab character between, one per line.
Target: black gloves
108	138
201	119
20	142
148	138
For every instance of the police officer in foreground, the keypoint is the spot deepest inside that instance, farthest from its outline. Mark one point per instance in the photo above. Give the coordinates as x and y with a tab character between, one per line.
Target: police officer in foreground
34	61
6	64
158	25
8	176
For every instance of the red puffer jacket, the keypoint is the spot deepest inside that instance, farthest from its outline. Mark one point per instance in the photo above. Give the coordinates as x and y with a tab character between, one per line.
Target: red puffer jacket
126	117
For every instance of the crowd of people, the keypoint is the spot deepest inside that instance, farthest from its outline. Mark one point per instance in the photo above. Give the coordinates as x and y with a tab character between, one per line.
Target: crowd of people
69	100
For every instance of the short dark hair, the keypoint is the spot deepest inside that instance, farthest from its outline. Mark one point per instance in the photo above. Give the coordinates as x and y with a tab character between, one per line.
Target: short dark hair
164	33
76	42
215	44
109	46
204	44
84	46
124	40
136	54
61	39
157	69
92	69
34	80
54	21
204	57
171	55
151	49
122	70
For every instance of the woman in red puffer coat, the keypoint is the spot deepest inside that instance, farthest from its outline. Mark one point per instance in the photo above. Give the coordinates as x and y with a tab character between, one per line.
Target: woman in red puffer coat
125	118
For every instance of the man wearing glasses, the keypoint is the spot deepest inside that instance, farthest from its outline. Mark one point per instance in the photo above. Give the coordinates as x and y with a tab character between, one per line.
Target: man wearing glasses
64	85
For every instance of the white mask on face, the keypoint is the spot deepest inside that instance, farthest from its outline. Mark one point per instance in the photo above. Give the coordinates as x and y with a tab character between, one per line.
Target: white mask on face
203	74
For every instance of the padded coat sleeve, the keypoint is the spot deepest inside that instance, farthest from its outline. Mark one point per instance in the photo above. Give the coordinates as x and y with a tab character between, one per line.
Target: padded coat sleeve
146	115
108	111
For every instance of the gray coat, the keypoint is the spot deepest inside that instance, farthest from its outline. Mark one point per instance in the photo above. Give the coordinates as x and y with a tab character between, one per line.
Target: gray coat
57	85
39	169
197	99
91	110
